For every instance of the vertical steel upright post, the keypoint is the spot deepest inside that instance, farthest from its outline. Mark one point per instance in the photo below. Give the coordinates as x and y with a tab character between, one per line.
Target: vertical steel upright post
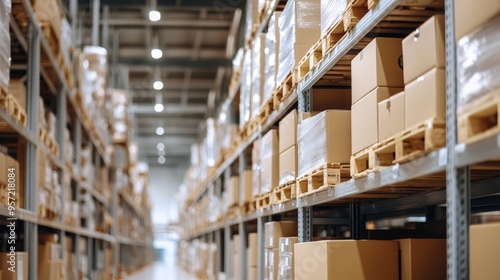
31	229
261	245
218	242
457	179
61	129
241	225
96	5
228	265
105	27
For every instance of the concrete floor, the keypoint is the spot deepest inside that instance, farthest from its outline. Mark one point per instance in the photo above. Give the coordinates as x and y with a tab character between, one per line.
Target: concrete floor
161	271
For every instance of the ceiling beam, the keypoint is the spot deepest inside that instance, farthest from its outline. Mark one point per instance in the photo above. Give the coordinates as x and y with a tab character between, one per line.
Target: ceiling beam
187	62
193	94
168	140
220	4
145	131
141	52
169	109
119	23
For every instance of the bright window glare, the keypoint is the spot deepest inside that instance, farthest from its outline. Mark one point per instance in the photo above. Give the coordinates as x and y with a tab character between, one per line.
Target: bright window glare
154	16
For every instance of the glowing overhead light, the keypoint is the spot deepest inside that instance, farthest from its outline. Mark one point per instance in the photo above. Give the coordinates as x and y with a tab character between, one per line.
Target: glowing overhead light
158	85
160	146
156	53
154	16
159	107
161	159
160	130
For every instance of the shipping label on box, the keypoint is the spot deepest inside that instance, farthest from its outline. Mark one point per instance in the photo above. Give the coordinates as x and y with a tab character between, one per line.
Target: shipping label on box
379	64
428	39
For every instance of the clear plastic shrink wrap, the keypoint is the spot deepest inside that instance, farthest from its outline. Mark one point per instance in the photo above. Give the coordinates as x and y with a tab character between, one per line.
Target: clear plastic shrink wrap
251	16
237	60
5	7
300	29
246	89
66	41
269	157
95	68
212	144
331	13
272	57
323	139
258	67
478	64
256	166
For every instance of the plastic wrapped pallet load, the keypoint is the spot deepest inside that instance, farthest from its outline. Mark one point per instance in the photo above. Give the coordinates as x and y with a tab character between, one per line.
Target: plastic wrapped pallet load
300	29
322	139
258	68
272	56
5	7
246	89
331	13
269	156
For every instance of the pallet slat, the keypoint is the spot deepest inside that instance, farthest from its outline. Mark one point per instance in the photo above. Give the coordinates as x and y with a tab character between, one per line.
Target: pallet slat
285	192
330	174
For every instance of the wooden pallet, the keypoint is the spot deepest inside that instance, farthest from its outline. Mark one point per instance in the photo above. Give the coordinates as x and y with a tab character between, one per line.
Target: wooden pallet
235	78
420	140
16	110
357	3
265	110
333	36
263	12
362	163
407	3
3	99
285	192
480	120
233	211
264	200
352	16
310	60
330	174
285	89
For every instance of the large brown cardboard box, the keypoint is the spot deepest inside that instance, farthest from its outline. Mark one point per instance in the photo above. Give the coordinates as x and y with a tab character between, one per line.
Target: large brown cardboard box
286	244
236	266
274	230
485	251
364	118
324	138
272	263
236	243
18	90
233	191
288	131
470	15
246	187
252	273
391	116
422	259
50	270
288	165
21	266
18	185
379	64
425	98
330	98
3	171
347	259
253	249
428	39
49	251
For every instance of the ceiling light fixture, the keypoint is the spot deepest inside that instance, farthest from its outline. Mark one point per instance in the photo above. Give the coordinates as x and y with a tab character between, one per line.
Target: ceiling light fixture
161	160
158	85
159	103
154	16
160	131
156	53
160	146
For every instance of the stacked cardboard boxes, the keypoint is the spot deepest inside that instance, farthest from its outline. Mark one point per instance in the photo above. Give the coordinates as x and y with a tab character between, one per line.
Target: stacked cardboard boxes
246	180
21	266
50	262
232	187
288	148
286	258
256	168
272	56
424	76
252	256
422	259
377	74
11	186
484	251
258	78
273	231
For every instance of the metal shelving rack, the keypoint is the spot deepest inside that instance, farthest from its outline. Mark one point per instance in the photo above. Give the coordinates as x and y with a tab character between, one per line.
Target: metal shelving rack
32	40
452	163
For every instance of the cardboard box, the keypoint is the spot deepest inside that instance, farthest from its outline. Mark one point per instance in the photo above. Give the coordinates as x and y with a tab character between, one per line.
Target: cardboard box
428	39
274	230
484	251
379	64
271	263
347	259
288	165
18	90
236	266
49	251
233	191
473	14
253	249
50	270
18	184
364	118
425	98
288	131
252	273
286	244
331	98
323	139
246	187
422	259
269	156
21	267
3	171
391	116
236	243
285	268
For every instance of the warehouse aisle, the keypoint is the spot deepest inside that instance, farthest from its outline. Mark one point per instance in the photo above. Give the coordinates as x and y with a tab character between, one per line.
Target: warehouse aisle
161	271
